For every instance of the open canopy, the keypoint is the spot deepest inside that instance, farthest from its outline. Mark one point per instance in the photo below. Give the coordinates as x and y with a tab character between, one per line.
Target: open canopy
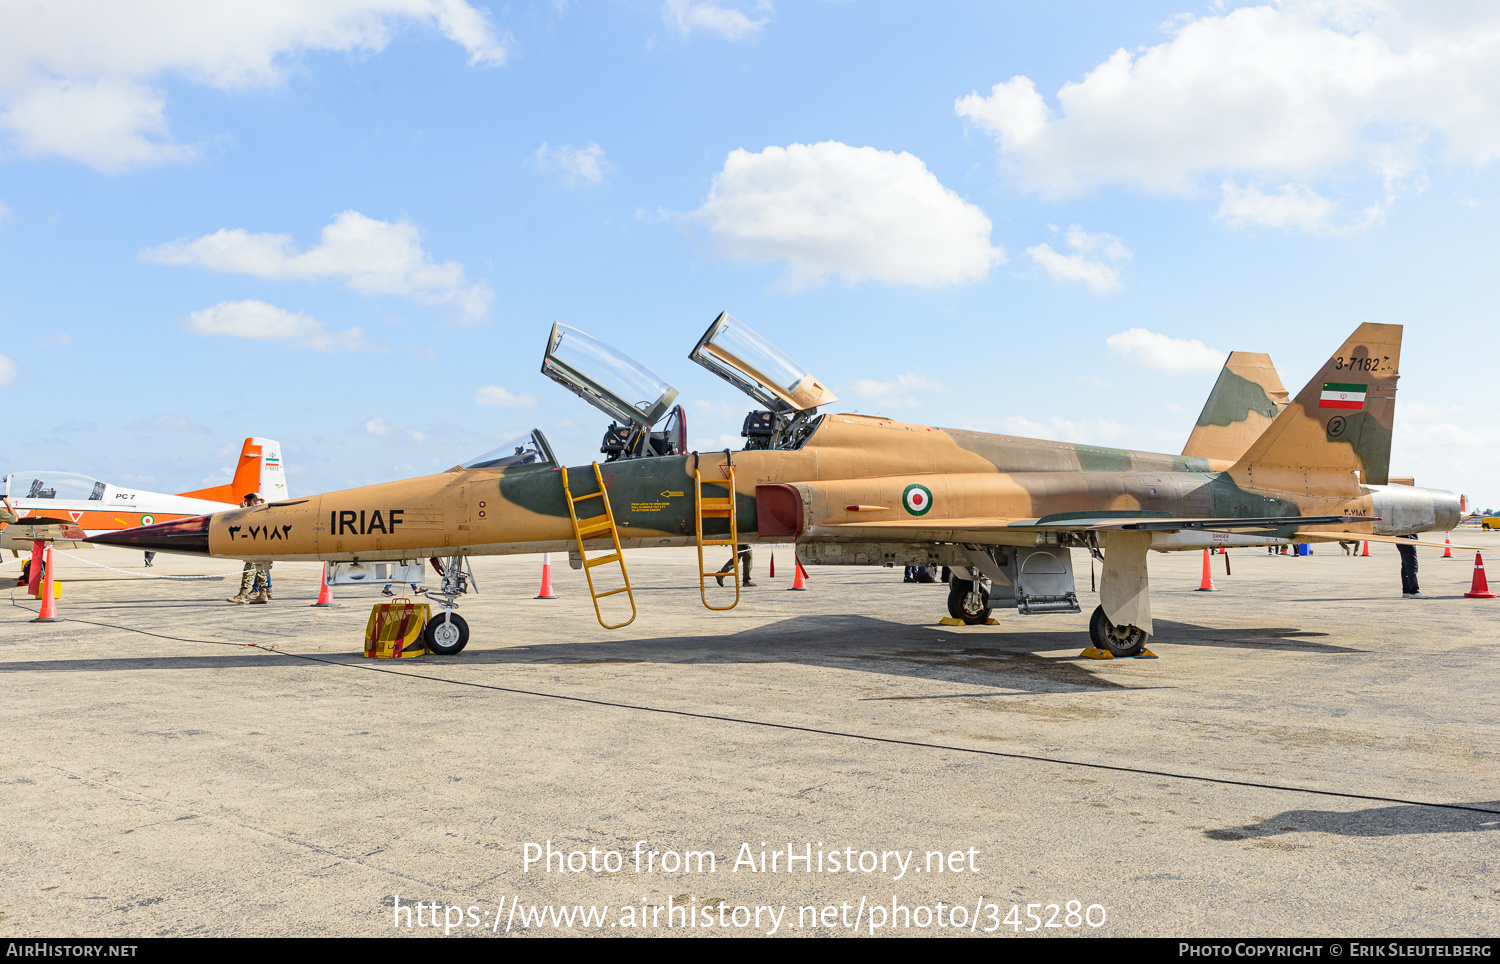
605	377
733	351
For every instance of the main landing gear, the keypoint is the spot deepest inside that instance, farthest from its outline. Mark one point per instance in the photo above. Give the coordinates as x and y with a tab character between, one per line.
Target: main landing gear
448	633
1116	640
969	600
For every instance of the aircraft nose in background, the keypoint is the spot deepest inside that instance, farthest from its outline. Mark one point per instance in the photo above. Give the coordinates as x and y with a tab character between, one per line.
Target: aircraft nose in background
181	535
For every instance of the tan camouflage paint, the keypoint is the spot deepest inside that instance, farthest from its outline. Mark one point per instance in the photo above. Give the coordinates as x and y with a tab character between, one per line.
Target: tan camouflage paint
1245	400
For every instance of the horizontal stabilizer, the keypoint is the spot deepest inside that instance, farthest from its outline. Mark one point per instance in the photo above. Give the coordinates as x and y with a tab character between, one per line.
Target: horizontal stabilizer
1326	536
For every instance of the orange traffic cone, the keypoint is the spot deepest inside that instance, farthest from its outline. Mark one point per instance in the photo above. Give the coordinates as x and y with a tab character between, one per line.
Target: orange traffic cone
1366	551
1447	546
1207	583
35	575
49	599
773	566
1480	590
325	594
546	590
799	576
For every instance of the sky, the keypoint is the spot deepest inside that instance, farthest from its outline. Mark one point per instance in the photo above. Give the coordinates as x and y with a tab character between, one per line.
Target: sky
349	225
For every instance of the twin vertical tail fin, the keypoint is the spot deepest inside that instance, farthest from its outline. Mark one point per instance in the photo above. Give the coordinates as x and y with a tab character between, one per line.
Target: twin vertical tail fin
1340	423
1244	402
259	470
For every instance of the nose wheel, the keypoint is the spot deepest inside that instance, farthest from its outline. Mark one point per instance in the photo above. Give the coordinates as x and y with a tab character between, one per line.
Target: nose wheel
1115	640
446	635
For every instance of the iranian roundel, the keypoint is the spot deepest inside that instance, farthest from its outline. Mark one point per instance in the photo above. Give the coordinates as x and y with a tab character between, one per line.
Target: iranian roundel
917	499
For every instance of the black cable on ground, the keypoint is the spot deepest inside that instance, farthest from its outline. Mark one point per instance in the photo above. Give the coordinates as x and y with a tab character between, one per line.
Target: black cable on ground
818	731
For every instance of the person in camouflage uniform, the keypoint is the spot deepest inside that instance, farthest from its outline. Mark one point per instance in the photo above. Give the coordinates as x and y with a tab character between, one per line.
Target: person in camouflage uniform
255	579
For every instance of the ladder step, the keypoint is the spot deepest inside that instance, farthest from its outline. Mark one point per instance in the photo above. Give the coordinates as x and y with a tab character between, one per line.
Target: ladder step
613	592
580	498
588	532
612	557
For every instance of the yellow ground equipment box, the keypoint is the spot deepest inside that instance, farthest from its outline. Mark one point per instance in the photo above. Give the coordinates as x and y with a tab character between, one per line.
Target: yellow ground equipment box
395	629
56	589
1490	521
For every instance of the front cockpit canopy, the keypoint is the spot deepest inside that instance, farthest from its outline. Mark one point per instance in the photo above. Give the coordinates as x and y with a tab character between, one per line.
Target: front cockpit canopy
736	353
528	449
606	378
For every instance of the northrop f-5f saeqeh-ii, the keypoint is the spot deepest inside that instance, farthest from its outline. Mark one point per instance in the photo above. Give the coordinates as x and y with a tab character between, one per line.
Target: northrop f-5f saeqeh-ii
1005	513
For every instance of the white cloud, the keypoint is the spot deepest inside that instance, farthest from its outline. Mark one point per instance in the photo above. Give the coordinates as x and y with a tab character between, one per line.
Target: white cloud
495	395
730	21
379	426
904	391
1096	431
372	257
574	163
1101	277
1296	206
1282	93
855	212
7	371
81	78
4	211
1148	349
166	423
262	322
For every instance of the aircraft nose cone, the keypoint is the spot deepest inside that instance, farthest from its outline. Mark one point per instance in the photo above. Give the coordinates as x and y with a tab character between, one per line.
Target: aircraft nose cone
181	535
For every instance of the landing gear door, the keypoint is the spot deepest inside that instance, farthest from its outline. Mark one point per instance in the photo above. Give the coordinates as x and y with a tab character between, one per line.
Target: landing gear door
606	378
734	352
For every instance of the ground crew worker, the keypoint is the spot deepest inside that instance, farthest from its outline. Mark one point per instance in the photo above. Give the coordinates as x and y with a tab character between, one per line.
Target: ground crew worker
744	553
1409	589
255	579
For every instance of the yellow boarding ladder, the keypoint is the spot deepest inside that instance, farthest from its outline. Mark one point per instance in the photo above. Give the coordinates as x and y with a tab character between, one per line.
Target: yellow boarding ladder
717	509
590	528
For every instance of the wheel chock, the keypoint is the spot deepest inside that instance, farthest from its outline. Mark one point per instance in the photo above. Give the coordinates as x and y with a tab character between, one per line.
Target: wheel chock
950	621
992	621
1092	653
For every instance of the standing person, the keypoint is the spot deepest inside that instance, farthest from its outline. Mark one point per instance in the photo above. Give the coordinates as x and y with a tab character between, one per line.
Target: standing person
255	575
1409	588
743	551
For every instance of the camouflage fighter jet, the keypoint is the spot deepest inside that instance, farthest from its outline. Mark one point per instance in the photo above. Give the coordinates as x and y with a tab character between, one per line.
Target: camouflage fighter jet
1003	512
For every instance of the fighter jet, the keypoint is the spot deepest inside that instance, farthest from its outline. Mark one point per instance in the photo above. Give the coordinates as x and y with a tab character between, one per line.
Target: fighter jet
1005	513
55	506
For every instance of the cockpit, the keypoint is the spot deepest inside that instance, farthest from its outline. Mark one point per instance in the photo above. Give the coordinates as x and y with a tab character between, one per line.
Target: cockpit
633	396
645	423
528	449
733	350
63	486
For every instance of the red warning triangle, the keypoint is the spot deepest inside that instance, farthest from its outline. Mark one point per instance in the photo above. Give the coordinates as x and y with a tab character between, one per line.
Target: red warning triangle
75	516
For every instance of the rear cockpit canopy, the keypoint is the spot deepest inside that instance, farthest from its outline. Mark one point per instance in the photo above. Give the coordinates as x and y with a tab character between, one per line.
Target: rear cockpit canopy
606	378
733	350
529	449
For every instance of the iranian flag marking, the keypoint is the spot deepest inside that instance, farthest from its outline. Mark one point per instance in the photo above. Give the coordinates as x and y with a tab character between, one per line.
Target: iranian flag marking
917	499
1342	395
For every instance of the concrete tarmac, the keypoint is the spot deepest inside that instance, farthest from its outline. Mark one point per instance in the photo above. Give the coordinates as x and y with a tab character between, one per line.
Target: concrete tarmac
176	765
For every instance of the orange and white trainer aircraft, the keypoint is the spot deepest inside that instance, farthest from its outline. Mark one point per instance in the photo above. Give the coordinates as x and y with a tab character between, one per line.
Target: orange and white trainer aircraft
76	502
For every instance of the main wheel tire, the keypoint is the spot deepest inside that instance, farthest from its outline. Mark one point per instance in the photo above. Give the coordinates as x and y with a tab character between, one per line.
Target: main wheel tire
1115	640
446	638
960	606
